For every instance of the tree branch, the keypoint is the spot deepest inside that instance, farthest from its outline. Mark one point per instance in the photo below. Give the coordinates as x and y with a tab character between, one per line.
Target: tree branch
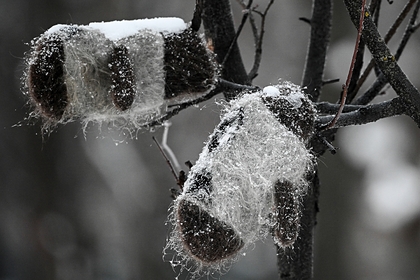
331	108
350	74
251	21
220	33
367	114
371	64
258	47
258	37
319	40
238	32
386	61
222	86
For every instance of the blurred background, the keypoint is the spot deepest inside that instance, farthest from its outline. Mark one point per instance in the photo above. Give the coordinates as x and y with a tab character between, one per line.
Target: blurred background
94	205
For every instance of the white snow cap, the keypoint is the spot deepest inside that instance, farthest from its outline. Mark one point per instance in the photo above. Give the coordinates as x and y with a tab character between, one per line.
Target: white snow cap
271	91
295	95
115	30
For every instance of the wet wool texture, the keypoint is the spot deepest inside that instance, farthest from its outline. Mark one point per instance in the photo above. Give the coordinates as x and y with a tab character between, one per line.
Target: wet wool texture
248	182
77	72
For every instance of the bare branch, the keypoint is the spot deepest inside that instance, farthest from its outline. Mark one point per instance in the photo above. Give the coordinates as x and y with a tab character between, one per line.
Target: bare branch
367	114
358	65
222	86
258	47
332	108
178	108
319	40
235	86
238	32
386	61
408	31
251	21
220	33
258	36
353	61
381	81
387	37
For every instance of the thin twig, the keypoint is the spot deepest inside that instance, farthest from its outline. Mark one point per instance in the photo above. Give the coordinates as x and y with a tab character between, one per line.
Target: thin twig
330	81
235	86
408	31
372	92
220	31
251	21
253	27
258	47
358	65
399	20
304	19
166	147
258	36
167	160
346	86
179	107
238	32
222	86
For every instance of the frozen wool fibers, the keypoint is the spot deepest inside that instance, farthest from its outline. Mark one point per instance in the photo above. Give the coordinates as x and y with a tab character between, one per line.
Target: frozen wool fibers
121	72
249	180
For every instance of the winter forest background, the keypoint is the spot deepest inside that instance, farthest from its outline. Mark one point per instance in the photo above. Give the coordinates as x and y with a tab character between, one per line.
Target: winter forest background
94	207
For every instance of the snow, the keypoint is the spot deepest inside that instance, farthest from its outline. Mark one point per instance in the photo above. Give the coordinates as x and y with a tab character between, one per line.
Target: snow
55	28
294	95
116	30
271	91
296	99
